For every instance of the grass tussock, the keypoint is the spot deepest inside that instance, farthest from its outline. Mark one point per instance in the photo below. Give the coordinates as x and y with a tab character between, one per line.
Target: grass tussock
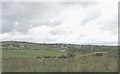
78	64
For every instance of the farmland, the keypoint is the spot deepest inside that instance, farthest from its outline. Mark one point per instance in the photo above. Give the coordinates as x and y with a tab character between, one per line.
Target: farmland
29	57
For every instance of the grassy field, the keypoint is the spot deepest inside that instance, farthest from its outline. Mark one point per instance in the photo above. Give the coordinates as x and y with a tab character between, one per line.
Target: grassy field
28	53
25	59
89	64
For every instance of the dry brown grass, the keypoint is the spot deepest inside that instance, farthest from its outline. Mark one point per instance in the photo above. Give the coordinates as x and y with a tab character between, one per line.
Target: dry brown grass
79	64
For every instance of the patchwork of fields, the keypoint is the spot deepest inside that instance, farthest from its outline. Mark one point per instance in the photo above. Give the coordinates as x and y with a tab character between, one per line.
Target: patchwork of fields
28	57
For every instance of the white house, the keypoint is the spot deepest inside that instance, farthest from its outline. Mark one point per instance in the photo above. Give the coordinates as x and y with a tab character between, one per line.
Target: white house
22	46
62	50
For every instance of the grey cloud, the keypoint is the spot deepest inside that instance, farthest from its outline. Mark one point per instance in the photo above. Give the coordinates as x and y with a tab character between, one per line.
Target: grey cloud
83	4
105	43
56	32
7	26
110	25
22	13
1	17
22	27
47	23
92	16
92	13
119	22
33	14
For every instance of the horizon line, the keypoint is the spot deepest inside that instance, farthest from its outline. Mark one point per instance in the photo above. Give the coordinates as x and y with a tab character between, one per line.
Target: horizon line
99	44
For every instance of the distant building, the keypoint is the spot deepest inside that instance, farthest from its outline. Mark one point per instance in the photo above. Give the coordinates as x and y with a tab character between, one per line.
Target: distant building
11	46
62	50
22	46
90	49
98	49
63	46
2	47
77	46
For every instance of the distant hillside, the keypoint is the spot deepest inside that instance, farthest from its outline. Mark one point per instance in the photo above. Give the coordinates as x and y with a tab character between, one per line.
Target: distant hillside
68	47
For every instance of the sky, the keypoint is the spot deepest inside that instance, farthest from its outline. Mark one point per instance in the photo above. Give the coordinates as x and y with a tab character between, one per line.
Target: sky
92	22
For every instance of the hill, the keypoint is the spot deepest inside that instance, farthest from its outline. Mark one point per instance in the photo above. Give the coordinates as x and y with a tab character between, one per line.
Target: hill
58	57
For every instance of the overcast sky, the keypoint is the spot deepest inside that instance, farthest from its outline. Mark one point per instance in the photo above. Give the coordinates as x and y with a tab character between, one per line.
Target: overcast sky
60	22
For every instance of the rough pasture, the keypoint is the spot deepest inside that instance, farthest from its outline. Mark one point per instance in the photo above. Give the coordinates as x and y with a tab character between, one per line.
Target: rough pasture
31	57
